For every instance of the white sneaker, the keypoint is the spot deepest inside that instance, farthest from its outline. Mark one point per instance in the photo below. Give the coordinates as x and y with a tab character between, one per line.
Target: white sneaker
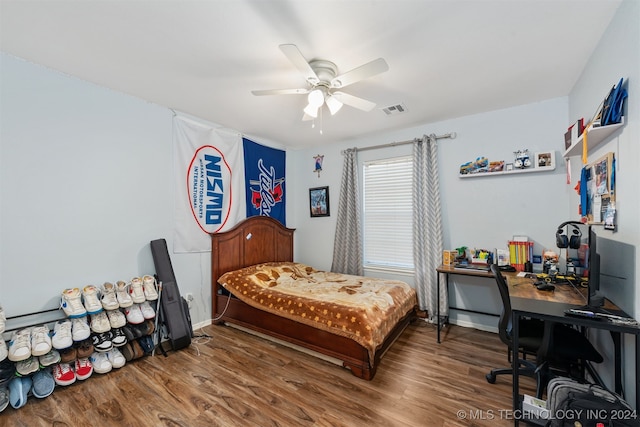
40	340
71	303
109	300
100	363
50	358
147	310
20	345
3	319
134	314
91	301
149	286
100	323
116	358
122	294
80	329
62	335
136	292
28	366
116	319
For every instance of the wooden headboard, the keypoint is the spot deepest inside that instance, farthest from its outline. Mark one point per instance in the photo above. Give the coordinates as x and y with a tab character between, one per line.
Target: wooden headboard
255	240
261	239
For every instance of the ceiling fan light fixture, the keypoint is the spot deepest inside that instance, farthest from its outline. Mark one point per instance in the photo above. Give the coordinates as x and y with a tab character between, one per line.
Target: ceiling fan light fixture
316	98
311	110
333	104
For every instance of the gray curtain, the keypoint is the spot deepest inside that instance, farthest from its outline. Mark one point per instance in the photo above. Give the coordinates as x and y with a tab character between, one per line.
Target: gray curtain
347	246
427	226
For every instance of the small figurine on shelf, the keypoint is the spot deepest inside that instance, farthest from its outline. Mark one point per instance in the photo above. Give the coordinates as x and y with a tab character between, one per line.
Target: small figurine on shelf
480	164
522	159
462	255
466	168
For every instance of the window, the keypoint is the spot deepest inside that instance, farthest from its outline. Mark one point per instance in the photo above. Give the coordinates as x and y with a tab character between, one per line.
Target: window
387	213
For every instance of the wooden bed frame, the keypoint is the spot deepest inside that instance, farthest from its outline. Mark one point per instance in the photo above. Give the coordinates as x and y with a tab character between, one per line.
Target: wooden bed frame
261	239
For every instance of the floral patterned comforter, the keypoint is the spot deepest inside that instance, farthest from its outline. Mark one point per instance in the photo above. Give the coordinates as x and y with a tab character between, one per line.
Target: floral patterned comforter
361	308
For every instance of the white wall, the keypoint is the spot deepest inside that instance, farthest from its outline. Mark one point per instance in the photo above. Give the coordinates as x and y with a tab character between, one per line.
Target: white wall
477	212
86	185
487	211
617	55
86	182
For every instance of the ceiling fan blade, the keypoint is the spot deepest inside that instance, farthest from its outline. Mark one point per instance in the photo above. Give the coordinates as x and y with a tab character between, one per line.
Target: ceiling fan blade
362	72
354	101
280	92
295	56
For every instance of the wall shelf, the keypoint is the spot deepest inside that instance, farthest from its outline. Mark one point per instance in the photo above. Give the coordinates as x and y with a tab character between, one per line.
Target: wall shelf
532	169
595	136
514	171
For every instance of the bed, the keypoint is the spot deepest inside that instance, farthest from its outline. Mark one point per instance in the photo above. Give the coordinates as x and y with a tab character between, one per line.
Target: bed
263	248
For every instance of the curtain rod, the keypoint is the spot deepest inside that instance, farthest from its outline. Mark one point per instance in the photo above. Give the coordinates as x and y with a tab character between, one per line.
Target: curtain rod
451	135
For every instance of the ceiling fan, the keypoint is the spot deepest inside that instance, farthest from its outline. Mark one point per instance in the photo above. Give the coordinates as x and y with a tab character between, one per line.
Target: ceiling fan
324	83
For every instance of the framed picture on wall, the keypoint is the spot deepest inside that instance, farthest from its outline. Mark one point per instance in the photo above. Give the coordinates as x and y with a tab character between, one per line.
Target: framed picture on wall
600	190
319	201
544	159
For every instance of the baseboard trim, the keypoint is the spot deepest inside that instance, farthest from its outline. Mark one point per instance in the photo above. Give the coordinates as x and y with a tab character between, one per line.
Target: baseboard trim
479	326
201	324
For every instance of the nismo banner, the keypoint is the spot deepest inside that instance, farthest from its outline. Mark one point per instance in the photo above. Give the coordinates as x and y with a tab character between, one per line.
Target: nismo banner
209	171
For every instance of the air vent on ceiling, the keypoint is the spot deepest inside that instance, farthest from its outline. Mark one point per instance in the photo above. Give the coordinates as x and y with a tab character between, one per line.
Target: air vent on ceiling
394	109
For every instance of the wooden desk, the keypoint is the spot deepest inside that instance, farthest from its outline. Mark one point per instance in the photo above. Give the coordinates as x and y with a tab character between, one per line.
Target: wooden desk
447	271
528	301
550	311
519	287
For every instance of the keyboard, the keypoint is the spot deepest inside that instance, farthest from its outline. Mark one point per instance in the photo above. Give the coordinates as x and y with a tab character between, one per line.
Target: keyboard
596	315
480	267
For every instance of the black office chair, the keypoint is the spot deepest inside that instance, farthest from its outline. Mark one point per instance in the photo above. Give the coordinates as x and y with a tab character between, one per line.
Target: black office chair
564	350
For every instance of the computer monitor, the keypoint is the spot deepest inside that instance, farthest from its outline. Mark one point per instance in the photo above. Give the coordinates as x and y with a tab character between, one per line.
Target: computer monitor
594	298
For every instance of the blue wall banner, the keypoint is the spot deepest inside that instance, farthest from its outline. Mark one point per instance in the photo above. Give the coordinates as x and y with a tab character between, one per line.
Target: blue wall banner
265	180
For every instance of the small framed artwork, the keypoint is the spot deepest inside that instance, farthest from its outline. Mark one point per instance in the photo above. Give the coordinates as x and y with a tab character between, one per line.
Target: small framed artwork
319	201
508	167
496	166
545	159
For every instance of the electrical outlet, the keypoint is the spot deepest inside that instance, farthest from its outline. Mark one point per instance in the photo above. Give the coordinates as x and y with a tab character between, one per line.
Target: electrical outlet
189	298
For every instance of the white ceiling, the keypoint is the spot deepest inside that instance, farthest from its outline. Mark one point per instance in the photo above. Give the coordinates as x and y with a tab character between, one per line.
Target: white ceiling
447	58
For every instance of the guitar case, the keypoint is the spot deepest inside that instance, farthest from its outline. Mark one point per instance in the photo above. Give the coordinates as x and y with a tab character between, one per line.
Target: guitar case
174	311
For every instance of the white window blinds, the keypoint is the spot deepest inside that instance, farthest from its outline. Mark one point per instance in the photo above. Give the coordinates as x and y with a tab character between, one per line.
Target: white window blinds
387	213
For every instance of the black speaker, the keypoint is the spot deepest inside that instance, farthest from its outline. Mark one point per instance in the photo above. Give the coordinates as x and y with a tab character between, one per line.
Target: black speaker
573	241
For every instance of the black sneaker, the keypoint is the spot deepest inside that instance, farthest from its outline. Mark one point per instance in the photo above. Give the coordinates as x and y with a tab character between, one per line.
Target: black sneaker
7	371
146	343
118	337
102	342
136	331
129	332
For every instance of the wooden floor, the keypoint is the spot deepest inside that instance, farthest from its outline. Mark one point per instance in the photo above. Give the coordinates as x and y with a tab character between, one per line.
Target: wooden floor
237	379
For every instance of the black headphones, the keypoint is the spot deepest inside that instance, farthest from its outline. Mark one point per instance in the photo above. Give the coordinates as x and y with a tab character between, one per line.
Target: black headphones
573	242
